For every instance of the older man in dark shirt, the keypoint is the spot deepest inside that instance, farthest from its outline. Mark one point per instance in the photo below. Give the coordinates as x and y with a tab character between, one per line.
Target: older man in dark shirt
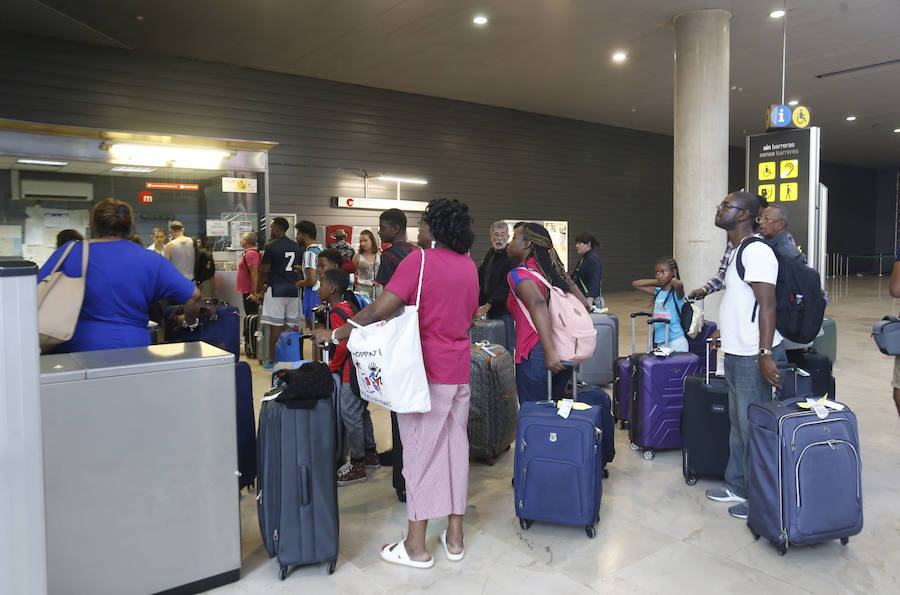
773	222
494	289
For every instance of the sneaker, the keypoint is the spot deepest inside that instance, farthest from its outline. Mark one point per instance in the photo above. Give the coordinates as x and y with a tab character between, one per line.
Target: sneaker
723	495
372	461
351	472
738	511
268	366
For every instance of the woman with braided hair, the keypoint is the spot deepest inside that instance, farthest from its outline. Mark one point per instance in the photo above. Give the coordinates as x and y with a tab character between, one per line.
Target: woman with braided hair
527	302
668	298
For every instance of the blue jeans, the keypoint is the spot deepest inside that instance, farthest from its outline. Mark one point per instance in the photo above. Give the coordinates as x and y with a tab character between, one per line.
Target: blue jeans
745	385
531	377
359	435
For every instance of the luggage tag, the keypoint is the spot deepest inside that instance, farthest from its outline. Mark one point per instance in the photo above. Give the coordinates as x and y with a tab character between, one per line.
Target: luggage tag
483	345
564	407
821	406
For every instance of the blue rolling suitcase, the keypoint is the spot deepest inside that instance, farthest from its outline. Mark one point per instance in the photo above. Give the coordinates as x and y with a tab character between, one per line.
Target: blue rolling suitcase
804	476
657	398
246	426
558	465
597	397
220	325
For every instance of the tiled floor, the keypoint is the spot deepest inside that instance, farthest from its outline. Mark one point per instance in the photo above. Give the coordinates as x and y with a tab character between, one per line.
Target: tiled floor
656	534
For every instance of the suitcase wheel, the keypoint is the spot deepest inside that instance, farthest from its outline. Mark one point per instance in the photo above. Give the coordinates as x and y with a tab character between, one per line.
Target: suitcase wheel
755	535
634	447
648	455
524	523
605	473
845	540
591	532
331	566
282	574
691	480
782	548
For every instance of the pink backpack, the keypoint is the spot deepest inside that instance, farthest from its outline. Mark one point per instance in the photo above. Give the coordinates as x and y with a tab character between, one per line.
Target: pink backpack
574	335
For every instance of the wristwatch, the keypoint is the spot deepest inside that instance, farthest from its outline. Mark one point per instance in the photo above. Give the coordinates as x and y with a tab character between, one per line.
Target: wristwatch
764	351
334	340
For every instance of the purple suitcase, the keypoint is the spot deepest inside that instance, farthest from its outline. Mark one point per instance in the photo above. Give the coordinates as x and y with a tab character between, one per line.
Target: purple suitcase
657	399
697	345
624	368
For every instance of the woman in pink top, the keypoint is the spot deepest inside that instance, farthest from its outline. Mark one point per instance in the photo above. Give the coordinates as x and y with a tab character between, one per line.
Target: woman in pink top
248	270
435	444
535	353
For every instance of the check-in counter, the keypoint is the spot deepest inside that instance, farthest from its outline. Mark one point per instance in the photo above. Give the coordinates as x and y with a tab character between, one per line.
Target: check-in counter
139	470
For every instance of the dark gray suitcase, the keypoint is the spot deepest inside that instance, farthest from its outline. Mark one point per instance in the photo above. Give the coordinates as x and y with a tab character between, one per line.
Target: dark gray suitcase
494	404
600	368
297	484
492	331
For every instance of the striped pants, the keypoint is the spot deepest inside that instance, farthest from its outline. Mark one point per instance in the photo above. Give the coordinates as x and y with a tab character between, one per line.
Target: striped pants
436	454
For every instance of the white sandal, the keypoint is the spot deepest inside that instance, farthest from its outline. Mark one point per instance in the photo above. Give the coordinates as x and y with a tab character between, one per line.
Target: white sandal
450	556
395	553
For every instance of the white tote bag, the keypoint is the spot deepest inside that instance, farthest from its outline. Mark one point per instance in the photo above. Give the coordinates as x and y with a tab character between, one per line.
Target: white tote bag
388	360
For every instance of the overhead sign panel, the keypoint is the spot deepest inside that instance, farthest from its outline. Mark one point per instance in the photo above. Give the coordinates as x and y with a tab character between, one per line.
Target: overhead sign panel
378	204
171	186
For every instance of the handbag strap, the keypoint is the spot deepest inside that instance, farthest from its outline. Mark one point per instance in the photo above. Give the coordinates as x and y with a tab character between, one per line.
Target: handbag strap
84	258
63	257
418	289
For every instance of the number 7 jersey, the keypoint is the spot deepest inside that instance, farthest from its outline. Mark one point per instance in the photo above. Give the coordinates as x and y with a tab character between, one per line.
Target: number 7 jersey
282	255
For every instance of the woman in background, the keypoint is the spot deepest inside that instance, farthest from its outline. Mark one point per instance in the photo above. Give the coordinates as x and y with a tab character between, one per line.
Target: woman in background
367	261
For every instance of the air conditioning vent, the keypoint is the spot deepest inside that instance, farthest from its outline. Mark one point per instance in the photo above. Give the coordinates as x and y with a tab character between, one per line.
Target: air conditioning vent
55	190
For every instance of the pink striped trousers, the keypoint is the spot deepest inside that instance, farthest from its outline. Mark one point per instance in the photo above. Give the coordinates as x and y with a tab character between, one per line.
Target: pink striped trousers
436	454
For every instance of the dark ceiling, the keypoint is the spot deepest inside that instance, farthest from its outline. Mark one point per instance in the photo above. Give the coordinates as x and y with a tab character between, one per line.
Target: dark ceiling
544	56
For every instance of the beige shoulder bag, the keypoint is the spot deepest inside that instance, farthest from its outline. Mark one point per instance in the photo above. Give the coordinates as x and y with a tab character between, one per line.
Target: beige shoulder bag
59	299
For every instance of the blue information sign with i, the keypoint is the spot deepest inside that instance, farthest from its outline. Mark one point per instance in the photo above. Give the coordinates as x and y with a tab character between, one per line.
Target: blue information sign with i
780	116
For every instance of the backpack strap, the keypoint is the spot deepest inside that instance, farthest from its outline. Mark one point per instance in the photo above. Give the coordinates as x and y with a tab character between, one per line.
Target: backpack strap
738	258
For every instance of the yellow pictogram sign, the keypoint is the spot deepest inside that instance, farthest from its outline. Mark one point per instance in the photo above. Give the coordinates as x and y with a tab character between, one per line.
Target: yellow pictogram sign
767	191
789	168
800	117
788	192
767	170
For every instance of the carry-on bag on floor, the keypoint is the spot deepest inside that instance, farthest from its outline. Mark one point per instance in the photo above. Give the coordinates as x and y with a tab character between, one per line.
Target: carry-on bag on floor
795	382
492	331
599	369
220	325
289	347
624	369
819	367
705	425
246	425
558	464
494	404
804	474
597	397
262	343
251	325
826	343
657	397
297	487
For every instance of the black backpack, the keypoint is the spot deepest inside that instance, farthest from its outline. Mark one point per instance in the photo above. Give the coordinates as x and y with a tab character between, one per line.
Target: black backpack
204	265
799	299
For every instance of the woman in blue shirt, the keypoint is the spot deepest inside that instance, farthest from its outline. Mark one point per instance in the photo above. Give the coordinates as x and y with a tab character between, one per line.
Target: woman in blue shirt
668	297
123	279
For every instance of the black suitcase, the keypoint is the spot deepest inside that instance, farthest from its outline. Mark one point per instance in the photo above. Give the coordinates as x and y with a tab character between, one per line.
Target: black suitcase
705	426
296	493
397	450
492	331
251	326
819	366
246	426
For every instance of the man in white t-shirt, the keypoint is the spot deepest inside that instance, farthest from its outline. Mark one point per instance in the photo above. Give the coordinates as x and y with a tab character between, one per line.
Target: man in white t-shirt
181	250
752	345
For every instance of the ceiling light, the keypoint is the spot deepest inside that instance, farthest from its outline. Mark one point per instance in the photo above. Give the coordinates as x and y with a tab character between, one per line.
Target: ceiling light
777	14
793	102
42	162
851	118
133	170
402	180
619	57
480	20
896	129
167	155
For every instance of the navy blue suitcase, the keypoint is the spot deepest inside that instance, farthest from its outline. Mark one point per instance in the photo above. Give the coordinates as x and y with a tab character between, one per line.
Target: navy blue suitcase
221	327
246	425
804	475
558	466
599	398
697	345
795	382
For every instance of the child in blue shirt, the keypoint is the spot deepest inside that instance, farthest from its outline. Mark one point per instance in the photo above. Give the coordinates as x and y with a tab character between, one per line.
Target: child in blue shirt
668	298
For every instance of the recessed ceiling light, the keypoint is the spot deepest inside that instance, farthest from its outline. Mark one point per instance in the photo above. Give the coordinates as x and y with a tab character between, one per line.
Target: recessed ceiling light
896	129
133	170
480	20
402	180
851	118
777	14
42	162
620	57
793	102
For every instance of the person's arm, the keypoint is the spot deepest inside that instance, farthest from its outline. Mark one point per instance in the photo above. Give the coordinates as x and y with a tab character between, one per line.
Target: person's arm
355	260
678	286
717	282
594	276
765	297
384	307
340	352
192	307
527	291
645	285
895	280
309	280
262	277
168	251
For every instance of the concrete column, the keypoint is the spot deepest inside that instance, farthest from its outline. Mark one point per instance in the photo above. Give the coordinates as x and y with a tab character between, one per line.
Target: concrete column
702	41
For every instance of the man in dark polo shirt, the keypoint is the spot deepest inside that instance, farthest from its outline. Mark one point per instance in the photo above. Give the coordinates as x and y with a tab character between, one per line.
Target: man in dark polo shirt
277	284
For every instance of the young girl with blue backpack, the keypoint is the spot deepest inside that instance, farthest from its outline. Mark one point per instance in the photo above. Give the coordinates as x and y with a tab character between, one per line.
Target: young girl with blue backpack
668	298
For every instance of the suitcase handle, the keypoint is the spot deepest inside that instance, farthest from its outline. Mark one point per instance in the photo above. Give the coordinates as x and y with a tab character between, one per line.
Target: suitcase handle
650	329
709	341
633	330
574	367
303	478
